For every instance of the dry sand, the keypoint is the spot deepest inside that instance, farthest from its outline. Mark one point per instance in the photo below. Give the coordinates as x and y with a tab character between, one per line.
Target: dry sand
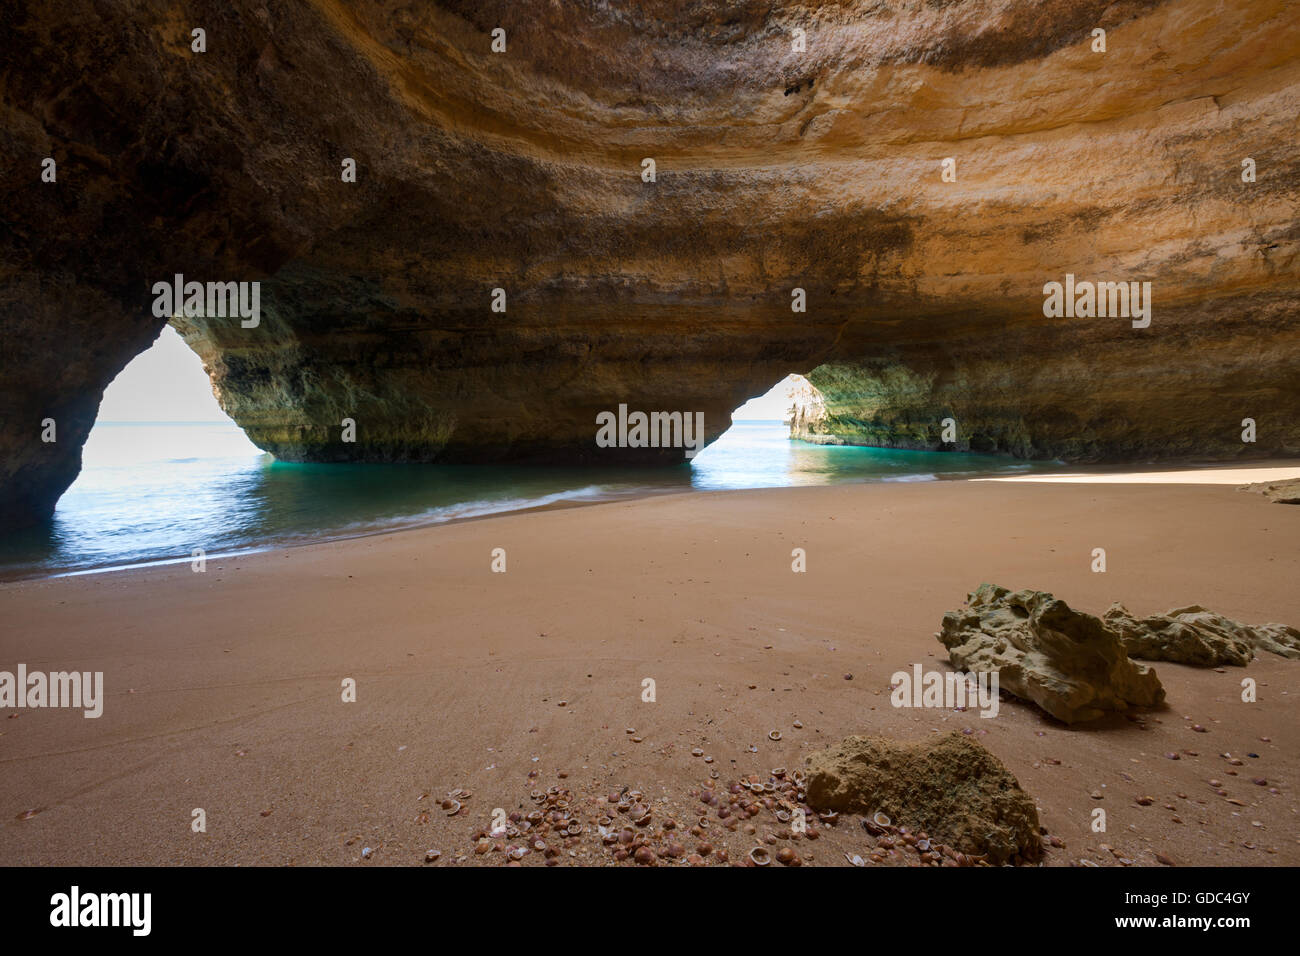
223	688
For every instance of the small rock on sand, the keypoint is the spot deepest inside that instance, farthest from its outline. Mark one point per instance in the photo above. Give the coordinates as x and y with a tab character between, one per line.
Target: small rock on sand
950	787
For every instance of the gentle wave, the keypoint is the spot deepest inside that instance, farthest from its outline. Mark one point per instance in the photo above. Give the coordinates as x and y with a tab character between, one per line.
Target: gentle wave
151	494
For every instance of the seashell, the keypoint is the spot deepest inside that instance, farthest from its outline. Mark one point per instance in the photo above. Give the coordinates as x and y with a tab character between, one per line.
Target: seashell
774	735
880	820
697	752
783	816
432	856
516	852
451	806
855	860
760	856
778	772
828	816
798	725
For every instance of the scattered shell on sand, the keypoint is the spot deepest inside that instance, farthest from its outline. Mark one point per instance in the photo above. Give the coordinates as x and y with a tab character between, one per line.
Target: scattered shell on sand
760	856
774	735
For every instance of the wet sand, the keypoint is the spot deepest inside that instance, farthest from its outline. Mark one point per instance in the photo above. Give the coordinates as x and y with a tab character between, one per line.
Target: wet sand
223	689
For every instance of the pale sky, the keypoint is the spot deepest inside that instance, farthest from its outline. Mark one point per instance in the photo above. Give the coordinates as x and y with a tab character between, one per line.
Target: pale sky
164	383
770	406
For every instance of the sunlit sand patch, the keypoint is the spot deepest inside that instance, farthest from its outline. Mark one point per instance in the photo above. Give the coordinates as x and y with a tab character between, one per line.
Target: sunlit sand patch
1182	476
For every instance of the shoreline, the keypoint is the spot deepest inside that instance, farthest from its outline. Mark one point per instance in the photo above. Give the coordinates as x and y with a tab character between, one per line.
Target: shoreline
1235	473
223	688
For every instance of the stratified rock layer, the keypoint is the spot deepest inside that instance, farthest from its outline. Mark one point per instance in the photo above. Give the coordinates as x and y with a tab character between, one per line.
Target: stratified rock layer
951	788
776	170
1068	663
1195	635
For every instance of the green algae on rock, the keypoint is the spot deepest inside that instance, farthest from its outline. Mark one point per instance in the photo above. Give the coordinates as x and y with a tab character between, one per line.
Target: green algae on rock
952	788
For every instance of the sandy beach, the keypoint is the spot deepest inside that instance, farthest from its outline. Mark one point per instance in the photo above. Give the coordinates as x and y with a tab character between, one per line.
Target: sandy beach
223	688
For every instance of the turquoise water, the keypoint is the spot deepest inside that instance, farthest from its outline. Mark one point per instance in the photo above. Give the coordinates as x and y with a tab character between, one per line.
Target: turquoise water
153	492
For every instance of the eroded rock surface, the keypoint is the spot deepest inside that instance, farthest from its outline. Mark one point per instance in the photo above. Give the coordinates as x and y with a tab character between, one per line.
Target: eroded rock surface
1286	492
951	788
1195	635
776	170
1280	639
1069	663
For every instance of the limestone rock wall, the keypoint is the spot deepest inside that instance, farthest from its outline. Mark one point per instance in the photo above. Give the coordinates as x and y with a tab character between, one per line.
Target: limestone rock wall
775	170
